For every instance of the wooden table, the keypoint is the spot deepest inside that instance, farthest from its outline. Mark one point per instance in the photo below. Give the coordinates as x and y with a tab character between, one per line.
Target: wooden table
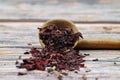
14	39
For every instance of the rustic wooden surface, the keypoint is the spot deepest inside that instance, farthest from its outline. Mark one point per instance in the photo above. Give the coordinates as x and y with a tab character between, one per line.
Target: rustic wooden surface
14	39
77	10
15	36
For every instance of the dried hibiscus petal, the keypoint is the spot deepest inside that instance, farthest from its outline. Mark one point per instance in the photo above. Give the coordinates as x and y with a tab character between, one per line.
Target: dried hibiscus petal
56	40
21	73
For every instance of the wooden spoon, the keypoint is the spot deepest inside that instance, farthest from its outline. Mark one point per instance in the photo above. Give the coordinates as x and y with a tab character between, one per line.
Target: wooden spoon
83	43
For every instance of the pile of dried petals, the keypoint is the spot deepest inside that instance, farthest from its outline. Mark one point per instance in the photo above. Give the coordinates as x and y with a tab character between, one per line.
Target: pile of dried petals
52	57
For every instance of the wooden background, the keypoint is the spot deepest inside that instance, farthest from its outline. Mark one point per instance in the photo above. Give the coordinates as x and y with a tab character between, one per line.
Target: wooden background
19	20
77	10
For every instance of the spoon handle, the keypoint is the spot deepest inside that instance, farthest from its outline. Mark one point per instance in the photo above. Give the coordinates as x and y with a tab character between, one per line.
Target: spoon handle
98	44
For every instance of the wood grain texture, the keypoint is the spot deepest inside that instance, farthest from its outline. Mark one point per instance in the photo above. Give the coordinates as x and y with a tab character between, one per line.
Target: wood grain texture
19	20
76	10
14	39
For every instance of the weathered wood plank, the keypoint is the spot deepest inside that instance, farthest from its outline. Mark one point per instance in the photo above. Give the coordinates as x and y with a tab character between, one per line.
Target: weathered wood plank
14	36
19	34
77	10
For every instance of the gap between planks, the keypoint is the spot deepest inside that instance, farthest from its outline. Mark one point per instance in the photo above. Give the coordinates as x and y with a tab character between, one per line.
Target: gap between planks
82	23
